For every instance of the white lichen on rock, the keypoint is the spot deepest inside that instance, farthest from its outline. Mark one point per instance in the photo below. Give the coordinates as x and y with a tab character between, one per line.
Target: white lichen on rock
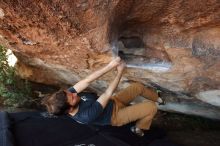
2	14
211	97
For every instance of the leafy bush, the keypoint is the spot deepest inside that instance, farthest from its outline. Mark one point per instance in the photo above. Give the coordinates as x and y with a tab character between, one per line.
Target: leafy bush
14	91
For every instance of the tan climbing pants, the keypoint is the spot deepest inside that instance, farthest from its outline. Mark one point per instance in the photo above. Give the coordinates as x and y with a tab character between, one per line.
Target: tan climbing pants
142	113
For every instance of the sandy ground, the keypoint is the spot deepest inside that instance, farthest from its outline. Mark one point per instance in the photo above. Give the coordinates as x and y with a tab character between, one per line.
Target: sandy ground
189	131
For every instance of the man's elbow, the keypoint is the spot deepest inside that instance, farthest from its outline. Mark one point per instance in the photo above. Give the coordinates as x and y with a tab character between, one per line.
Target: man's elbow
87	81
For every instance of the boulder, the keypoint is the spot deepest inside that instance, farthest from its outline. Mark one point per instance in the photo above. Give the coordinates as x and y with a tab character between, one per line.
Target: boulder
170	45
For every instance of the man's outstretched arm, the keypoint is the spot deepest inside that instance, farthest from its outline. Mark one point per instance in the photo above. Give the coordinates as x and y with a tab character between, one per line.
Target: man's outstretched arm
83	84
104	98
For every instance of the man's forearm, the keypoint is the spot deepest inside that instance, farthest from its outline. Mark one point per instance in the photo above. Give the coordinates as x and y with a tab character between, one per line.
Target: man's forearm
95	75
104	98
113	85
83	84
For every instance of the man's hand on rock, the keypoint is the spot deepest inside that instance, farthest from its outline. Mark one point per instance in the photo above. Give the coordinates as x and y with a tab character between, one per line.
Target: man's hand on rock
115	62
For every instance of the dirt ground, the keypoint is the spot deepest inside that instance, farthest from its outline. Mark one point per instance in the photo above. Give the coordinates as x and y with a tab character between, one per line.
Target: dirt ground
189	130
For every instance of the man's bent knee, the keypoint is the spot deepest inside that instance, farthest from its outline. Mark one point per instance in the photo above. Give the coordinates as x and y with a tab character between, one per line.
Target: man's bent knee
151	106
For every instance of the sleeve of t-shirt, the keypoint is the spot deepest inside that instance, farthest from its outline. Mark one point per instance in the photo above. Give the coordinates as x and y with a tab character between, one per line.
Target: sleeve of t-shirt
72	90
91	113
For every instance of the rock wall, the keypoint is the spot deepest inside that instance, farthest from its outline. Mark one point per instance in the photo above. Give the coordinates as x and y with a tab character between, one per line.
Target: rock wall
170	45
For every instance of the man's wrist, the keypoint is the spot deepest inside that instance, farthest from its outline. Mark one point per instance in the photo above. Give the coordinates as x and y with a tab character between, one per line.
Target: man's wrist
120	71
119	74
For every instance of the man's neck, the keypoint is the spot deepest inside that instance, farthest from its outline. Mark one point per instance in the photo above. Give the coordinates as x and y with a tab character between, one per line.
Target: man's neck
73	110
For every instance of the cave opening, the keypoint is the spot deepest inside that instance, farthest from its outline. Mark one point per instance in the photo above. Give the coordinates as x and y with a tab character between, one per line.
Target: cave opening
136	54
129	39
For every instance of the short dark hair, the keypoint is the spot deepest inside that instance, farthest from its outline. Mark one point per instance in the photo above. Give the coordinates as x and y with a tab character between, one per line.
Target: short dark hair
57	103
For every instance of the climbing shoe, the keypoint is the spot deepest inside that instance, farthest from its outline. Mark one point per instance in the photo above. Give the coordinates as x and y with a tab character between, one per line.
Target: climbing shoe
137	131
161	100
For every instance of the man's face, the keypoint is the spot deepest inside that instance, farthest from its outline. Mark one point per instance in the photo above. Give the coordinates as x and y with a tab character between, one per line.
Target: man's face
72	98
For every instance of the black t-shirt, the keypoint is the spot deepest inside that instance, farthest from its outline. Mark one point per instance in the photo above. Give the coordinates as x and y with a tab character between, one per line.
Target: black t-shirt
91	111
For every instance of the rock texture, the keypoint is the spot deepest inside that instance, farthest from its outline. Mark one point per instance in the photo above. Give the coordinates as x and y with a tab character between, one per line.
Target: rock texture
170	45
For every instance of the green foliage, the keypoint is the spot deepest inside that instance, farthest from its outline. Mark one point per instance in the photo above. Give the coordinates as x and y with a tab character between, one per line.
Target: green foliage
14	91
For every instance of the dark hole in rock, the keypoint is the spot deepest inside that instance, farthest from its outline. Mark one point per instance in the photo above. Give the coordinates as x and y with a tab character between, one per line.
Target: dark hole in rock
132	42
133	51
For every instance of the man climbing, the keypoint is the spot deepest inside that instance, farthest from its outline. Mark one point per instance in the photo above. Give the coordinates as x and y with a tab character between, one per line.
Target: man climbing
107	109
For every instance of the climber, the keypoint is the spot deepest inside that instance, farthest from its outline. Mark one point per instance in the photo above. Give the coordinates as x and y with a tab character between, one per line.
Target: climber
107	109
